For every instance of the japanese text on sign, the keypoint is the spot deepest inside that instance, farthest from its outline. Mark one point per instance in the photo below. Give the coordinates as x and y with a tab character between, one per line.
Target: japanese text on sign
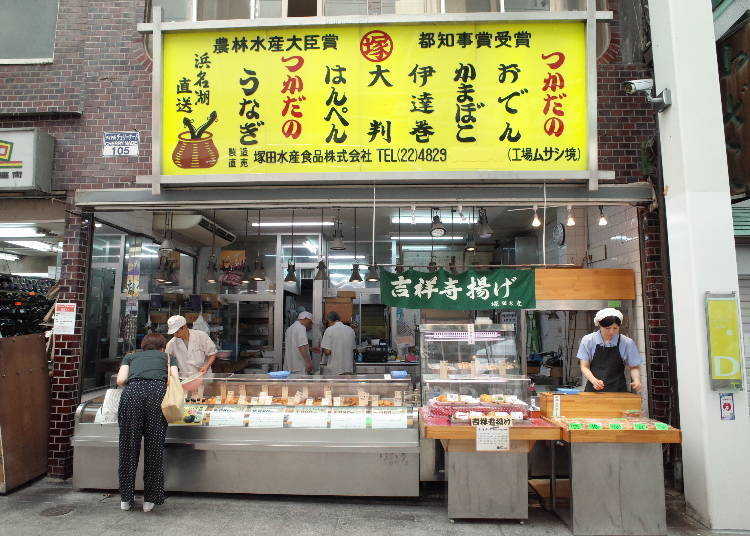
473	290
508	96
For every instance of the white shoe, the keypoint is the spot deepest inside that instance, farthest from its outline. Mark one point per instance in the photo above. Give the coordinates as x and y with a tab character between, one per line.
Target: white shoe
124	505
148	506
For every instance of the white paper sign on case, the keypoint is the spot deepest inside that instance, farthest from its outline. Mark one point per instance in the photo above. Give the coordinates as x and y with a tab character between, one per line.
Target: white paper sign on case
389	417
266	417
493	438
65	319
309	417
348	417
227	416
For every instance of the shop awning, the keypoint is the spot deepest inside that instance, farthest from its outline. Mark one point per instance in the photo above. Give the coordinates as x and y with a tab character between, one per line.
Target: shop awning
332	196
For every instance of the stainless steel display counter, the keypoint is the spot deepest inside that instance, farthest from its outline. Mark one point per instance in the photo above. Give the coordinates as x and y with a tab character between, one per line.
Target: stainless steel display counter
369	461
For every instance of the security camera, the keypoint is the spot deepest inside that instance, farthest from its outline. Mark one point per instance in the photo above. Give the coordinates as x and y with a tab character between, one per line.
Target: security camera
645	85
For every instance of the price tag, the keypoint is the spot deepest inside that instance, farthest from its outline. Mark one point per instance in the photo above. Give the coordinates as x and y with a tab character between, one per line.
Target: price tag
230	395
266	417
325	402
309	402
242	400
491	421
389	418
223	391
284	391
253	400
555	405
348	418
264	389
227	416
305	394
243	392
453	397
640	426
363	398
493	438
309	417
661	426
297	398
263	394
375	400
575	426
594	426
471	335
218	400
615	426
443	370
327	393
336	400
516	415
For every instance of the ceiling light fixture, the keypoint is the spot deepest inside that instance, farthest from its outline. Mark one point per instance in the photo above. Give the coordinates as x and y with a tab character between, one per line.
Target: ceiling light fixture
322	274
291	277
8	257
355	277
602	217
373	275
437	229
291	223
471	245
411	238
212	273
33	244
20	232
485	231
536	222
571	222
259	271
337	244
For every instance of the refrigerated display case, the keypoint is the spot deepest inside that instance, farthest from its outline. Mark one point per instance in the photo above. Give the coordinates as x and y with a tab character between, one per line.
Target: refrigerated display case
257	434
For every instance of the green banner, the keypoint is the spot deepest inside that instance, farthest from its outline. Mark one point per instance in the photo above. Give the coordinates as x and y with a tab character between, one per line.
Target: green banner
473	290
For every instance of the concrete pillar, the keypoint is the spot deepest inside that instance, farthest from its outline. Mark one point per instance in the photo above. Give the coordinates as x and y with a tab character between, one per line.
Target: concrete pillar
702	257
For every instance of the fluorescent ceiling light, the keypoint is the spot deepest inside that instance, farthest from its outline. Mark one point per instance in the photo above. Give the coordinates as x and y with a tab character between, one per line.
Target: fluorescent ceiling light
427	219
19	232
8	257
33	244
32	274
406	238
289	224
422	247
345	257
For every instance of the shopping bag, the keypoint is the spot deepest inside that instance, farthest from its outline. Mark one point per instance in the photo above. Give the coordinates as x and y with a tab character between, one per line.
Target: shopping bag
174	399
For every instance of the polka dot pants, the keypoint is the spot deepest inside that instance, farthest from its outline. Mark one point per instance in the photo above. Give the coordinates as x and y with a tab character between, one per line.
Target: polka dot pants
139	416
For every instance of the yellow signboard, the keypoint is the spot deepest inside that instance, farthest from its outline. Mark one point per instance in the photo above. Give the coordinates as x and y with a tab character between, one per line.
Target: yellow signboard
452	96
724	337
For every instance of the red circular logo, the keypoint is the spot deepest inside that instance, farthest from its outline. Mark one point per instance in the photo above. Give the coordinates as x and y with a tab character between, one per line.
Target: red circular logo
376	46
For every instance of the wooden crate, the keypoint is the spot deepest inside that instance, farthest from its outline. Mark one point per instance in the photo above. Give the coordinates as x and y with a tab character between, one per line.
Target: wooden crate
605	405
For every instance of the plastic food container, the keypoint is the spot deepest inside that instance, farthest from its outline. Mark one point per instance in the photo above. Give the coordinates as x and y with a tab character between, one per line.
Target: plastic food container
399	374
279	374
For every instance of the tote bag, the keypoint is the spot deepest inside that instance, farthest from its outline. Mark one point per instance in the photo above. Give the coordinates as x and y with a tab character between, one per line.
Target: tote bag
174	398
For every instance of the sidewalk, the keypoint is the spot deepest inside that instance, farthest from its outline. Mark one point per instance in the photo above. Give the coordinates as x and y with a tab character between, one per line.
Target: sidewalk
51	507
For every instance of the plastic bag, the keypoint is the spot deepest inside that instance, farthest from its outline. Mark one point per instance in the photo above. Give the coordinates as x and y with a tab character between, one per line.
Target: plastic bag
201	325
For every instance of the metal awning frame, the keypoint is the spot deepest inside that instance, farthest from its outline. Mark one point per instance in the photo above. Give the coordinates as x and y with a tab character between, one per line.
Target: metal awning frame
322	196
591	176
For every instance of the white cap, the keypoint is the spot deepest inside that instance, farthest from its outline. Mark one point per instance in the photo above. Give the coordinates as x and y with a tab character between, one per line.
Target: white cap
174	323
303	315
604	313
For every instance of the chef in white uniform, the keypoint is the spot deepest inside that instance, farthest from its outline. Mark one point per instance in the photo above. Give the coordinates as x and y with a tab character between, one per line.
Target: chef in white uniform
297	348
193	349
338	346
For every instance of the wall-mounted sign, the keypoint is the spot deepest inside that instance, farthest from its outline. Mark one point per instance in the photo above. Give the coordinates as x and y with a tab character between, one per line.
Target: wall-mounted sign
120	143
26	159
724	342
726	401
65	319
412	97
473	290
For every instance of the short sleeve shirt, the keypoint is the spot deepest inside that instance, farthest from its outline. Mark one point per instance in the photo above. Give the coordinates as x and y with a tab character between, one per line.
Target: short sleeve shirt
295	336
628	350
148	365
191	357
340	340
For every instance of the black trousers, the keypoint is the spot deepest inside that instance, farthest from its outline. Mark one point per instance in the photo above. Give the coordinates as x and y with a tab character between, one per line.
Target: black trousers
140	416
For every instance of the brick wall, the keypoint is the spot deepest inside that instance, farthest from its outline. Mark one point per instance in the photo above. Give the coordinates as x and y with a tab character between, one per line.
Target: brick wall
67	355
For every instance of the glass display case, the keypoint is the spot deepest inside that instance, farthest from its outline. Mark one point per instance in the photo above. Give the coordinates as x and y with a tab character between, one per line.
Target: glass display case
257	434
471	370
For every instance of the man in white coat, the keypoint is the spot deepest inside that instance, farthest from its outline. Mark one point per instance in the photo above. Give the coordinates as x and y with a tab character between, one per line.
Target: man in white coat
338	346
297	347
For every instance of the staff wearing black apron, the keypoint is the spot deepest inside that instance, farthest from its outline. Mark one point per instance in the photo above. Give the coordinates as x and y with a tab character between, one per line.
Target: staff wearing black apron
606	353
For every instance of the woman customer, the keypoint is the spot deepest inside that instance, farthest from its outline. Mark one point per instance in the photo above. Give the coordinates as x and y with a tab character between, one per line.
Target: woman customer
144	375
606	353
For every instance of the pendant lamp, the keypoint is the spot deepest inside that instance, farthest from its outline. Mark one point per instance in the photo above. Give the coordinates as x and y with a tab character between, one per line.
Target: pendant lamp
245	269
212	273
471	245
373	274
337	244
485	231
355	277
322	274
291	277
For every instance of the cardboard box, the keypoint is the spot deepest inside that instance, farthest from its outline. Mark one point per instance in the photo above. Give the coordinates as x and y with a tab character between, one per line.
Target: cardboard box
346	294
